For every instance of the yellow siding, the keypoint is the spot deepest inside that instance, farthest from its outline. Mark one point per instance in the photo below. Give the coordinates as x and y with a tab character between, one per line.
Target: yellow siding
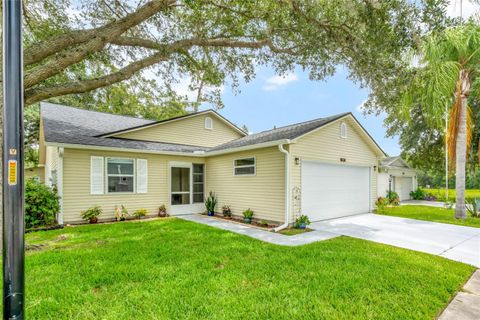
326	145
263	193
76	185
35	172
190	131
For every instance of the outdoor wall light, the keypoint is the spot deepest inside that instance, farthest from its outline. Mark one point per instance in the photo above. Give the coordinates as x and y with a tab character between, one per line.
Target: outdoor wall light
297	161
343	160
374	168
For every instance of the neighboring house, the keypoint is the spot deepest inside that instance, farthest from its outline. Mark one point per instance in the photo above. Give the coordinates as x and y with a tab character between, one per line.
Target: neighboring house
396	175
324	168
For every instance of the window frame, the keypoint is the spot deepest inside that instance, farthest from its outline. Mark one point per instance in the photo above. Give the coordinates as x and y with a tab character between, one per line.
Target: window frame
134	175
211	123
254	165
198	183
343	130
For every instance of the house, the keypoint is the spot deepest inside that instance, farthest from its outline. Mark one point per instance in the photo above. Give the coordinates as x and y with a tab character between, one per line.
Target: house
396	175
324	168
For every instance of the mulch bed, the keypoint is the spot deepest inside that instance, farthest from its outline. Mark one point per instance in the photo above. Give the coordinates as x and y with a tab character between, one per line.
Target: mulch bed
254	223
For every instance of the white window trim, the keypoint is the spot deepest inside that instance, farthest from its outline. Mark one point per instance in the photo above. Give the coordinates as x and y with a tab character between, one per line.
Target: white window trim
211	123
246	166
193	183
343	130
134	175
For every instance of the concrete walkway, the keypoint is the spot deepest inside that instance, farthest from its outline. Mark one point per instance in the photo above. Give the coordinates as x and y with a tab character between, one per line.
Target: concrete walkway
453	242
466	304
267	236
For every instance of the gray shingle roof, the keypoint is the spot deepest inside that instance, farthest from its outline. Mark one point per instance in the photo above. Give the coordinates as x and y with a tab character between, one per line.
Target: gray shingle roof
64	124
288	132
70	125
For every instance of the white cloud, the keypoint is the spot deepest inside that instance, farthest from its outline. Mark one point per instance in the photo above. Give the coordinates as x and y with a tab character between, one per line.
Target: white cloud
468	8
275	82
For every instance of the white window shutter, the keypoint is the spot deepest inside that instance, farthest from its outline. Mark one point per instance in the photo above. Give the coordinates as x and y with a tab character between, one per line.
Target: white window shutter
142	176
96	175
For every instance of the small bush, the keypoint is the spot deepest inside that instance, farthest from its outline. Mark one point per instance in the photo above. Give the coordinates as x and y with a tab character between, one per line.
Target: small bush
418	194
41	204
91	214
162	211
473	207
381	203
140	213
211	202
393	198
248	213
121	213
303	219
264	223
226	211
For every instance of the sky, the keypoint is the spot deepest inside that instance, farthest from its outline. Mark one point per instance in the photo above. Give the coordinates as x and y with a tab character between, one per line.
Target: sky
270	100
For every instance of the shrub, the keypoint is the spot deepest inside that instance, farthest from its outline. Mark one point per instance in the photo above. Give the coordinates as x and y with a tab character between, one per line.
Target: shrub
211	202
162	211
393	198
473	207
264	223
381	203
140	213
303	219
41	204
418	194
226	211
248	213
121	213
91	214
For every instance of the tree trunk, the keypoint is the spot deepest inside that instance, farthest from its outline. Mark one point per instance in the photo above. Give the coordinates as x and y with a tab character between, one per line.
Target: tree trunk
461	148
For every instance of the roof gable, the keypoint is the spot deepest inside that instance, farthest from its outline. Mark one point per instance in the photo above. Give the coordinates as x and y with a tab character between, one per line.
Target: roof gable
364	133
395	162
208	112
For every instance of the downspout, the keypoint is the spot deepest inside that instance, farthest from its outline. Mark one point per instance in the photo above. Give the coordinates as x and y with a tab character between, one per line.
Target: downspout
287	188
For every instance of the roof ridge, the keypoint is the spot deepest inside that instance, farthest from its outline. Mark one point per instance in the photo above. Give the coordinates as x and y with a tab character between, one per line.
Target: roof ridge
96	111
339	115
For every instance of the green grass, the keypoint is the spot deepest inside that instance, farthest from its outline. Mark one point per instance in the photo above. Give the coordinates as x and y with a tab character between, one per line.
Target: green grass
173	269
441	193
294	231
430	214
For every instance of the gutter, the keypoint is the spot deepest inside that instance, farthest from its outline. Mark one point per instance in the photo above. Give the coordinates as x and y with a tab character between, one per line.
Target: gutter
287	187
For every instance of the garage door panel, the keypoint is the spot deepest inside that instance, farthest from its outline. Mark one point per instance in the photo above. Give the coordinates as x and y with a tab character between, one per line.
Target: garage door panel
331	191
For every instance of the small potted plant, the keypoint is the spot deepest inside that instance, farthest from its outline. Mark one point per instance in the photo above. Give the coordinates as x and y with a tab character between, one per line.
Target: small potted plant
162	211
302	222
226	211
211	203
121	213
140	213
247	216
91	214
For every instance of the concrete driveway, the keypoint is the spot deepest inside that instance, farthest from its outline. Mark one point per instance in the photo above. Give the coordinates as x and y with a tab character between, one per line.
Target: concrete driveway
450	241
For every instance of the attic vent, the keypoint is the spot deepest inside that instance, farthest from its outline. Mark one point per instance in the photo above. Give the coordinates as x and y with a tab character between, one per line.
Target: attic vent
343	130
208	123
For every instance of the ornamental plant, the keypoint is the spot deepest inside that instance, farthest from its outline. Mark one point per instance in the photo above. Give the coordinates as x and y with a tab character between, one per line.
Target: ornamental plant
140	213
41	204
211	202
226	211
91	214
393	198
302	220
121	213
248	213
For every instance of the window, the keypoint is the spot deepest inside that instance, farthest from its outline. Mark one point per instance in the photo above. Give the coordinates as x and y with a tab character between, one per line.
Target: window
198	180
120	175
244	167
343	130
208	123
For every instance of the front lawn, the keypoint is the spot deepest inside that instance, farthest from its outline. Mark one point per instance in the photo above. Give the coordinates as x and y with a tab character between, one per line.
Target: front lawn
430	214
441	194
173	269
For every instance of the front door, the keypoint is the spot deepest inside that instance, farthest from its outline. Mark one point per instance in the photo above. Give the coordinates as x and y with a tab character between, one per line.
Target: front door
186	194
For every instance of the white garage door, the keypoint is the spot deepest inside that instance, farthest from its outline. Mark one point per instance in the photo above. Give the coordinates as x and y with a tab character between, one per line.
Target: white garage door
403	186
332	191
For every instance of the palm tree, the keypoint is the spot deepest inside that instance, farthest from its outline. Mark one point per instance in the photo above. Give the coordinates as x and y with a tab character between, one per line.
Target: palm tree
449	66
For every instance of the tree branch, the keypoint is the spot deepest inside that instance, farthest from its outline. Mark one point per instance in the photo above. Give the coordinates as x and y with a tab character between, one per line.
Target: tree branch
38	94
96	42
